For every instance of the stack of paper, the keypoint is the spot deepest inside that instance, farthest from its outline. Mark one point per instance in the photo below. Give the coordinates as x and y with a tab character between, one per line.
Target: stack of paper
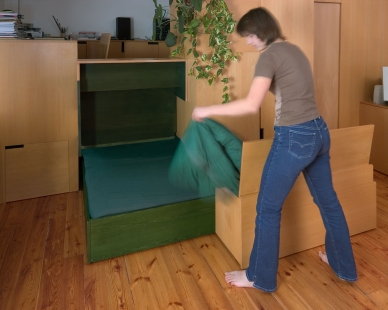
8	24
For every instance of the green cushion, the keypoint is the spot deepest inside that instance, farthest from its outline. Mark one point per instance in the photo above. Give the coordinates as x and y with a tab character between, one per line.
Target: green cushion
208	157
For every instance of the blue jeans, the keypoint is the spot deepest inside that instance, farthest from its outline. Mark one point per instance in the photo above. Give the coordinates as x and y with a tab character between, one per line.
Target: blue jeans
295	149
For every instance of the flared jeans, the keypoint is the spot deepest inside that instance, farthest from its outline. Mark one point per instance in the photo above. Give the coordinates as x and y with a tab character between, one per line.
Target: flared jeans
299	148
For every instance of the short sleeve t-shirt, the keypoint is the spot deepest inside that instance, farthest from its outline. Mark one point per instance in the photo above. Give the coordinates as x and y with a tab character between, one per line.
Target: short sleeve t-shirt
292	83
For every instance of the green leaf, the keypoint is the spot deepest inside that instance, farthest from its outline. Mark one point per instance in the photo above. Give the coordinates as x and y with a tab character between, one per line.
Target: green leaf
189	51
170	2
208	68
181	23
196	55
199	68
225	88
171	39
203	58
225	80
197	5
219	71
194	23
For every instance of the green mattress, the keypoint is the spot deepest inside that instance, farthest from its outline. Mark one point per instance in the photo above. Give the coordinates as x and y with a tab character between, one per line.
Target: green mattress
132	177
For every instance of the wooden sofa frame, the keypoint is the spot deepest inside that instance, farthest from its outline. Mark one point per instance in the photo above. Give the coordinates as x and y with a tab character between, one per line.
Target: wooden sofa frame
301	224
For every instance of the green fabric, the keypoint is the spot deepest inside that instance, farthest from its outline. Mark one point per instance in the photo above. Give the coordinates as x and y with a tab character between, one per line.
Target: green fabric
208	157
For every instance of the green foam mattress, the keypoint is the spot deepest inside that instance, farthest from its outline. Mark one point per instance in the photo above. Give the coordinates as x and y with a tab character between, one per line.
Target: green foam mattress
132	177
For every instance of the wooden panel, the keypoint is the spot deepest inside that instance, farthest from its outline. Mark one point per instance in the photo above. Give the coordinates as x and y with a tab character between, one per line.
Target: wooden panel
353	63
104	45
141	49
39	92
240	78
163	50
135	231
301	224
326	60
302	227
110	117
296	19
371	113
254	155
2	170
349	147
123	76
92	49
376	55
73	165
228	221
116	49
37	170
81	45
238	9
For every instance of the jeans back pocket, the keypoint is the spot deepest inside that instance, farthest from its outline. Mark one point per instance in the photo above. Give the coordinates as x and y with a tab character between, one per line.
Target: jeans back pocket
301	143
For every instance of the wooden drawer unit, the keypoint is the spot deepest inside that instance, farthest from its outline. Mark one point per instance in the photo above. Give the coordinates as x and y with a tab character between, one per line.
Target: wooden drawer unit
35	170
141	49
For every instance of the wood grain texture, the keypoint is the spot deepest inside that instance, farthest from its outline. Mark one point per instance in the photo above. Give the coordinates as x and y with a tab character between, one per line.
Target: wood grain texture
301	226
103	48
45	90
37	170
326	60
140	230
184	275
376	114
141	49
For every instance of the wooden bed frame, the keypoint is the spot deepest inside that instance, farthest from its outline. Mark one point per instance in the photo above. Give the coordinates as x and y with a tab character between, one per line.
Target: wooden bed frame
301	225
122	101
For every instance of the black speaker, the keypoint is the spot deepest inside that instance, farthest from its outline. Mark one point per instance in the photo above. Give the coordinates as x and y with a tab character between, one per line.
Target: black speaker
123	28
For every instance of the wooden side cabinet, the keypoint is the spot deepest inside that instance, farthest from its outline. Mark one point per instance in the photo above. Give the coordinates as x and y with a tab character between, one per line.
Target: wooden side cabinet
377	114
38	118
88	49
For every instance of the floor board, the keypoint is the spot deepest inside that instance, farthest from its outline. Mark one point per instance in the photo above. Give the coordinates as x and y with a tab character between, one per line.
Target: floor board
43	266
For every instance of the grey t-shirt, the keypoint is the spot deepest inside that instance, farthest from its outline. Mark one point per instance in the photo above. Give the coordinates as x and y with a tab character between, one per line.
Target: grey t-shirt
292	83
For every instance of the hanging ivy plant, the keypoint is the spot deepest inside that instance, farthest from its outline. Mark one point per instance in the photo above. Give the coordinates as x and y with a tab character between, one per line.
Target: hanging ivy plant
216	21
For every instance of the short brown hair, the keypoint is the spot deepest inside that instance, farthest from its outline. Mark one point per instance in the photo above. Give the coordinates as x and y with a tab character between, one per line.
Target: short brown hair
262	23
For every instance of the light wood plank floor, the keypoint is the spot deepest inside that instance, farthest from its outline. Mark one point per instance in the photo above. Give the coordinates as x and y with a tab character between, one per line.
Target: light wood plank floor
42	266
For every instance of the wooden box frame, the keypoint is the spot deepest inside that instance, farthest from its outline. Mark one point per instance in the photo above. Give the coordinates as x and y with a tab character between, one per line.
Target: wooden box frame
301	225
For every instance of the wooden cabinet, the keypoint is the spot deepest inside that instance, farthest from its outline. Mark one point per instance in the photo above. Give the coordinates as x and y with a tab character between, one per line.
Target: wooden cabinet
88	49
38	118
116	49
377	114
141	49
34	170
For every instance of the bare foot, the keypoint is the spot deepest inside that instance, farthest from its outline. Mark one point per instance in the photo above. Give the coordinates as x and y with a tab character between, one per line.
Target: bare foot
323	257
238	278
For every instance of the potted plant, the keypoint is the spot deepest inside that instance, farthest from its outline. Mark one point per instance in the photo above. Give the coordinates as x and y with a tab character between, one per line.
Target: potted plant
193	19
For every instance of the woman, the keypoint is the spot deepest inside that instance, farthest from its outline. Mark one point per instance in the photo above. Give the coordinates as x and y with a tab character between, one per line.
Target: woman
301	144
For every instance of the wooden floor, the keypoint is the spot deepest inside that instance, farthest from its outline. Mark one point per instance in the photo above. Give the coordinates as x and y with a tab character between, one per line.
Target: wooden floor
42	266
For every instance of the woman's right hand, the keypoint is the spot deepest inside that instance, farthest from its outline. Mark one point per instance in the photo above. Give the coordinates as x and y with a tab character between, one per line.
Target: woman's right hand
200	113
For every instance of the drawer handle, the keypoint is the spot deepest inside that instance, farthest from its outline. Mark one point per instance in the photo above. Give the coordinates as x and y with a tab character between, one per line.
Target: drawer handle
17	146
152	43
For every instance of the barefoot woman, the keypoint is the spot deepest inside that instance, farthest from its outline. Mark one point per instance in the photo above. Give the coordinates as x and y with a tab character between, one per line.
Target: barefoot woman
301	144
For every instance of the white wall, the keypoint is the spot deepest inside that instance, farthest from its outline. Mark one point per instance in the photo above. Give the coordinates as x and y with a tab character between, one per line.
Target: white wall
87	15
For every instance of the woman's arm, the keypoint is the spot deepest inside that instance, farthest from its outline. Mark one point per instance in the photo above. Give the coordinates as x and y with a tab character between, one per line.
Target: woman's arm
248	105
